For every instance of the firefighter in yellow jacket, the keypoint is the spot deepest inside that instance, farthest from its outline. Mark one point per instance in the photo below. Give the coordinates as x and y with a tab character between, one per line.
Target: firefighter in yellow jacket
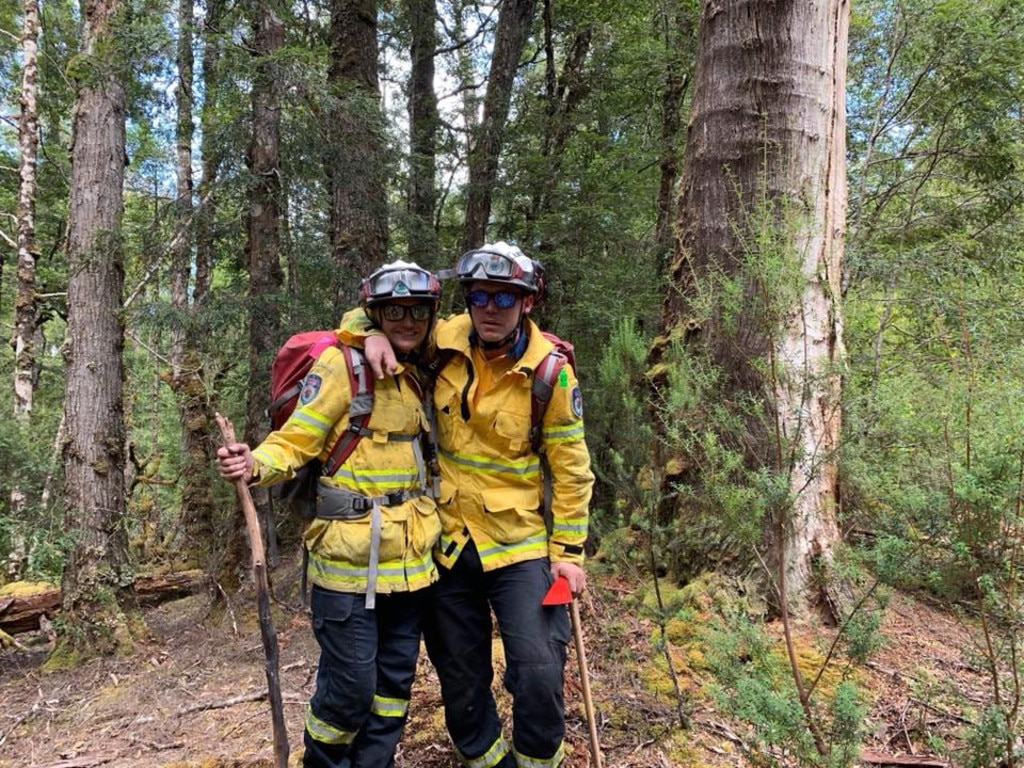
370	543
495	551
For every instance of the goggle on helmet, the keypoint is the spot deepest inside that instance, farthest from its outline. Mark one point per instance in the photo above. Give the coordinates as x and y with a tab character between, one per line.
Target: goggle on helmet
399	280
500	263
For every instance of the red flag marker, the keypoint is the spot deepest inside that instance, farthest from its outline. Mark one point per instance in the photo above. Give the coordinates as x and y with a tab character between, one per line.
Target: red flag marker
559	594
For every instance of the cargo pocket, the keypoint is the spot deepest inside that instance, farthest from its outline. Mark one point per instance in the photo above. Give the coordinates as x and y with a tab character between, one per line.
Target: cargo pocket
424	526
513	513
394	526
514	431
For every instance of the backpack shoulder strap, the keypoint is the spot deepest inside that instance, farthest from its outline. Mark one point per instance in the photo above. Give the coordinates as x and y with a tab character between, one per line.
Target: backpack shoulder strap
360	381
431	369
544	378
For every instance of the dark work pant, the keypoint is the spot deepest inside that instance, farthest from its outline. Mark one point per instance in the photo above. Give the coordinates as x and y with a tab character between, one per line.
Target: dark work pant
367	665
458	637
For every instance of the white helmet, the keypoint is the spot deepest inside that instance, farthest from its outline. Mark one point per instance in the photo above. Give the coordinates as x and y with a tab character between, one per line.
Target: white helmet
500	263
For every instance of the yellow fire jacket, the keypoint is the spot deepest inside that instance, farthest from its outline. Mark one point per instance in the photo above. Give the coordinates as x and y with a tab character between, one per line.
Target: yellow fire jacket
491	479
339	550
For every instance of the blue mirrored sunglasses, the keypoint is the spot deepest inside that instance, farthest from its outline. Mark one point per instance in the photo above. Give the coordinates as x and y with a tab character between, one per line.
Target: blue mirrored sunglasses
501	299
397	312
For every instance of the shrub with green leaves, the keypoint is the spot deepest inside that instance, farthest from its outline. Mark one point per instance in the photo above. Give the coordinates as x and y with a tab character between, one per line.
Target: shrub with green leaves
753	682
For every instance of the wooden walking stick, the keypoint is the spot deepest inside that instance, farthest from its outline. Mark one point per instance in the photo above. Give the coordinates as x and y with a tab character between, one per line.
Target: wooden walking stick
259	574
560	594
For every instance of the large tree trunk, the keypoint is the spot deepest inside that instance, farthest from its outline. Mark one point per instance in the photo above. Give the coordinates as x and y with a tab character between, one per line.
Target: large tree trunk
763	194
25	306
355	162
423	125
510	36
94	449
679	31
264	246
186	379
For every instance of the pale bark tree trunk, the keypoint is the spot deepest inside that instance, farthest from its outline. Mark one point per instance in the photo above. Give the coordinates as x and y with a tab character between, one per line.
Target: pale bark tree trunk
355	162
513	30
181	251
766	143
212	151
93	451
423	126
25	306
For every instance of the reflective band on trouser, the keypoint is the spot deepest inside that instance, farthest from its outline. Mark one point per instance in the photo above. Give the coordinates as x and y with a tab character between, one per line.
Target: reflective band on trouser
522	761
387	707
494	551
325	732
488	759
371	580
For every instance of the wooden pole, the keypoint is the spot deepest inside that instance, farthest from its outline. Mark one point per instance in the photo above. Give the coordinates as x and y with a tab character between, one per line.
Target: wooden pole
588	702
259	574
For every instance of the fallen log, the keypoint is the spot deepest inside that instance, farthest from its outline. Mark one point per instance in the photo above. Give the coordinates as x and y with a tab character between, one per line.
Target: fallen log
23	603
158	588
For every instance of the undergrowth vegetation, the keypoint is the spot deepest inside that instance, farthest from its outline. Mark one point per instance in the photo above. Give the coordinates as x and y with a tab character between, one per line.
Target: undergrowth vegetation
933	466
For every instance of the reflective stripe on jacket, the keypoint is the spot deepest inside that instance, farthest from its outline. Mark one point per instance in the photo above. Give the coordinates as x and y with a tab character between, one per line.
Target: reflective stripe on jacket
491	480
339	550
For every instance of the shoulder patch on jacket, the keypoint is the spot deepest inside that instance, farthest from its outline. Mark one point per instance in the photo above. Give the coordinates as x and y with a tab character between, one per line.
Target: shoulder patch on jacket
310	388
577	402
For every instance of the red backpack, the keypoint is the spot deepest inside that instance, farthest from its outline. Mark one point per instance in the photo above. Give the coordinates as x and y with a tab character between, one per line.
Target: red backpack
544	379
291	364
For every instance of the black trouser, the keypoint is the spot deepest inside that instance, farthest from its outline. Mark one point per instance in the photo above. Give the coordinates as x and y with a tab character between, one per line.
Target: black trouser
367	665
458	637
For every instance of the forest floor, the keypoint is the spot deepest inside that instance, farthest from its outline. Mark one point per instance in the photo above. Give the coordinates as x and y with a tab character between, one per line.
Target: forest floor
193	692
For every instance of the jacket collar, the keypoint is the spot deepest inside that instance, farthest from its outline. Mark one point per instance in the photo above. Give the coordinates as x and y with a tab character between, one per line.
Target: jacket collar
454	335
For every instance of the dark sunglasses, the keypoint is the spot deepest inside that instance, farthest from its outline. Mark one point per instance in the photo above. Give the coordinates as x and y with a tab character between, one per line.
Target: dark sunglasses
501	299
396	312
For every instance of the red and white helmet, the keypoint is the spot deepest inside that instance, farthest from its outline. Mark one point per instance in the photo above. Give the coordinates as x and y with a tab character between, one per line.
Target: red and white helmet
500	263
400	280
